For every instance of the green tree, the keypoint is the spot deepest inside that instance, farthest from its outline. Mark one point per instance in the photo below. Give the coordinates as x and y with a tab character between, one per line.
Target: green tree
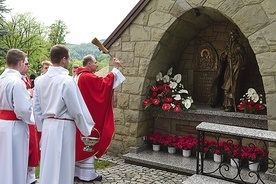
29	35
58	32
3	31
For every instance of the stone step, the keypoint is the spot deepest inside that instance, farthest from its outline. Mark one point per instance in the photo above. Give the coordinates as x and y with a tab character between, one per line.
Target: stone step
178	163
201	179
163	160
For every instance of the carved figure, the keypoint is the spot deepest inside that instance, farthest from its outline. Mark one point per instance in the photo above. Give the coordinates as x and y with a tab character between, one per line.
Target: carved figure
234	57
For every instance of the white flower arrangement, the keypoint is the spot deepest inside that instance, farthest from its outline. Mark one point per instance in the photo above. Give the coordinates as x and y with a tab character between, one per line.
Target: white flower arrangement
169	93
251	102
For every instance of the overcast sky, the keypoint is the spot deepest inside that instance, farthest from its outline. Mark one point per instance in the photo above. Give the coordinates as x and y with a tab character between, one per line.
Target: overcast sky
85	19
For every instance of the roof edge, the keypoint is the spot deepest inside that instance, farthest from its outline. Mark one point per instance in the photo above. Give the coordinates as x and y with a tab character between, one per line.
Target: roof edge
125	23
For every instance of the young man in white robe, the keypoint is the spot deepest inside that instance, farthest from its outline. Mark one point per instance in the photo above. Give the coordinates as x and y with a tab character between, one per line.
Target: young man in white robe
58	109
15	113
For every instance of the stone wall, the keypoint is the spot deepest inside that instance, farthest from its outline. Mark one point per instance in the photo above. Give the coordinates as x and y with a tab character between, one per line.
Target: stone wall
153	41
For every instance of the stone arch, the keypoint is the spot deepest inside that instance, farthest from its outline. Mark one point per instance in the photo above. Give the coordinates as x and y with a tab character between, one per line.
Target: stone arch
153	41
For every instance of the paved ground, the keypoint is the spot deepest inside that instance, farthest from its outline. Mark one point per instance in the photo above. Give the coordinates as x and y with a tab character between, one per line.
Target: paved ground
124	173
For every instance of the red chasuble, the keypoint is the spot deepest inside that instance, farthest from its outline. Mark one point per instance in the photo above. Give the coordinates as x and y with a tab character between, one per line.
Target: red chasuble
97	93
34	153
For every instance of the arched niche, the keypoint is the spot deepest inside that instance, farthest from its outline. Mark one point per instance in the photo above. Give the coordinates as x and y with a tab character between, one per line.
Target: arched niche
179	48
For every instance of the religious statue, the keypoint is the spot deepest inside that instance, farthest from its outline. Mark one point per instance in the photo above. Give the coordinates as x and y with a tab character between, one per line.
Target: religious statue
234	59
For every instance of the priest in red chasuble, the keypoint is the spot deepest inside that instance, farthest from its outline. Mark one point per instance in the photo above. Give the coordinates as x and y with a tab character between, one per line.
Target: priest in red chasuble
34	153
97	93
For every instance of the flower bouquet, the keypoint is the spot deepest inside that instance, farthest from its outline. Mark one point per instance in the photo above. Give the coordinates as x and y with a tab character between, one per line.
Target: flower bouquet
251	102
168	93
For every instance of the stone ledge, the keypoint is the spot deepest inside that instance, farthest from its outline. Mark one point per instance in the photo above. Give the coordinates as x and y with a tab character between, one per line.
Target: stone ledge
200	179
215	115
265	135
178	163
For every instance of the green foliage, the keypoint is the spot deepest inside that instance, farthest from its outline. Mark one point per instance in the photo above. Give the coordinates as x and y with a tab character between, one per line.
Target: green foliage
29	35
102	164
102	64
3	31
57	34
3	9
24	32
77	52
71	64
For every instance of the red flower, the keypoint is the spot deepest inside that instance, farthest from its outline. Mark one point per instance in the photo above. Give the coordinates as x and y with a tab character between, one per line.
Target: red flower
166	107
233	150
154	94
163	94
249	106
206	145
168	99
258	107
155	138
170	140
146	102
155	101
166	88
153	88
177	108
253	153
251	102
186	142
240	107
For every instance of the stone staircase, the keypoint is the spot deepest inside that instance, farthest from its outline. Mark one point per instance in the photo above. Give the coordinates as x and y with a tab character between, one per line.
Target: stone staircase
177	163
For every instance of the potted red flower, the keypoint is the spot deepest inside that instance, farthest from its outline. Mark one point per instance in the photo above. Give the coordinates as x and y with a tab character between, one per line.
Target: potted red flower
254	155
170	141
205	149
186	143
218	149
156	139
233	150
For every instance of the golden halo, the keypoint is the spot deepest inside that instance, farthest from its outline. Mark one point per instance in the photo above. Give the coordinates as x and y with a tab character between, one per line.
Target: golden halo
205	50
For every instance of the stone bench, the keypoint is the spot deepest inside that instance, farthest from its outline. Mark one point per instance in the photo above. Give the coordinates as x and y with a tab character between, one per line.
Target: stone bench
240	175
251	133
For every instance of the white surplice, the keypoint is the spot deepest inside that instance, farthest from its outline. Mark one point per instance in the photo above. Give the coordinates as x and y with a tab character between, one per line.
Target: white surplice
85	170
57	95
14	135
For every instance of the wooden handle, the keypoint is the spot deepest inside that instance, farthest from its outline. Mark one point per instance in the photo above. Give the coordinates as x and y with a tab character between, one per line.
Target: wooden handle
96	42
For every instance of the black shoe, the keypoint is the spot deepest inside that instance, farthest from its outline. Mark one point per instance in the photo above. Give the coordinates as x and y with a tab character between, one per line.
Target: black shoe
99	178
33	182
